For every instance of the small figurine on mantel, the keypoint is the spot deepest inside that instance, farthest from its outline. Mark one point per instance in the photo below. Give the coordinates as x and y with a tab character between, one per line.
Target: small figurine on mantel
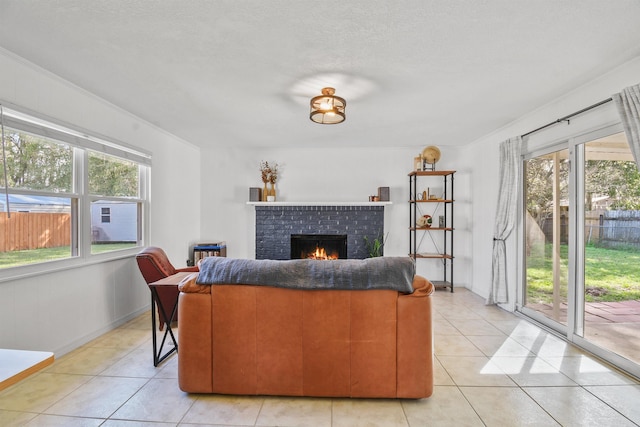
269	174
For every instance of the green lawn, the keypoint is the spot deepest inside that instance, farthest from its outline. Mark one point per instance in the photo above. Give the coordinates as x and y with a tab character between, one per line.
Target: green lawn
15	258
610	274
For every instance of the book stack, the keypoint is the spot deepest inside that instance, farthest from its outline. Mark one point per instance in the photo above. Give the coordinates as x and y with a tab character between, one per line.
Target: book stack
203	250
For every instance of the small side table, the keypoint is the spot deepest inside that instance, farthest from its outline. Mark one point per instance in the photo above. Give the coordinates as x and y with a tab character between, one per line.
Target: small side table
167	314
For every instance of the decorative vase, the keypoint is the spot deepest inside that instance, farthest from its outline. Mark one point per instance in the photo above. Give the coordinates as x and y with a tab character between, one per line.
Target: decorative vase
265	192
272	193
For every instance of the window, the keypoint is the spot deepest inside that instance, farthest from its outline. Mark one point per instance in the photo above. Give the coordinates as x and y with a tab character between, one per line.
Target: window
55	177
111	176
114	225
37	163
106	215
114	187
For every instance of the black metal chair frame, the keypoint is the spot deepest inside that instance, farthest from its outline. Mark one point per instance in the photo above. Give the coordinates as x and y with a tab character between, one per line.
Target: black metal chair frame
158	357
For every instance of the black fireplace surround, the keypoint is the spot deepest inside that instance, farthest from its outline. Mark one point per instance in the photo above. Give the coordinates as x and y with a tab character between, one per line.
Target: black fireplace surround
332	246
276	224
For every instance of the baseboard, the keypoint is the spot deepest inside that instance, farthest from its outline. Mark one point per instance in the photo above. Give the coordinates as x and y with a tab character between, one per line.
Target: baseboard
95	334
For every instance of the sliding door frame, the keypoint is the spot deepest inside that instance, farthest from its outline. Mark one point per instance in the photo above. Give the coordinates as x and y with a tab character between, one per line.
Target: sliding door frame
574	330
539	318
577	335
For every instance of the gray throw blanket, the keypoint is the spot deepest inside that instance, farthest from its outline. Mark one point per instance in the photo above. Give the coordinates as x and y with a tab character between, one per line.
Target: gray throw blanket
395	273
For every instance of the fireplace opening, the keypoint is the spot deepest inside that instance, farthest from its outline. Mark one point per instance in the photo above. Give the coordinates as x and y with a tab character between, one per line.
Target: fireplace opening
318	246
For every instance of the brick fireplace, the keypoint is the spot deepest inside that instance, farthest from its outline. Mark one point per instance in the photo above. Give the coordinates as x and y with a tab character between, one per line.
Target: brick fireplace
275	225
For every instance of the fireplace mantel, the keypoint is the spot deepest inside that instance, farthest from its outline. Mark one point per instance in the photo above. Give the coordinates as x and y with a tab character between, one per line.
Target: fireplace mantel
319	203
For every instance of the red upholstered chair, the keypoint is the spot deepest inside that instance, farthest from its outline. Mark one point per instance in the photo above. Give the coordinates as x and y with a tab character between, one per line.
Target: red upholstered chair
155	265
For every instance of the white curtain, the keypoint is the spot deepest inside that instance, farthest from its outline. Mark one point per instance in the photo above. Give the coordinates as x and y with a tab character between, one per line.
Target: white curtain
628	103
505	216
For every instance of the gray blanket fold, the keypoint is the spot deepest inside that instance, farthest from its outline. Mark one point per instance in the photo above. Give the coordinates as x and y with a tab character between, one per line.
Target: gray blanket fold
395	273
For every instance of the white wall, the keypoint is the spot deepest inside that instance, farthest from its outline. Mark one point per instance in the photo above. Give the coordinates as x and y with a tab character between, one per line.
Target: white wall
336	175
62	309
483	157
353	174
59	310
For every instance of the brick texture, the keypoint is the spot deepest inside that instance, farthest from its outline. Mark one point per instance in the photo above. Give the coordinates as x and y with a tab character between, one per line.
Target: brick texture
276	224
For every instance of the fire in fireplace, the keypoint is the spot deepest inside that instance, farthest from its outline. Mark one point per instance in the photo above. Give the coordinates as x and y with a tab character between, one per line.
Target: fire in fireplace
318	246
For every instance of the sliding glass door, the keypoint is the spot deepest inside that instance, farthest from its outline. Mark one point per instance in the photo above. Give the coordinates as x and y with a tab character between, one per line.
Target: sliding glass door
581	244
609	259
547	211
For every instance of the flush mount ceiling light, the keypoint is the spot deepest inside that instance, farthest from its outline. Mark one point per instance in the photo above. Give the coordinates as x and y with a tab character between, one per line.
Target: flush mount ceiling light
327	109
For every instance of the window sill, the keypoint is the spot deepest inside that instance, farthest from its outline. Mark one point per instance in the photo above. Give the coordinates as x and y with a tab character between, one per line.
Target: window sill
42	268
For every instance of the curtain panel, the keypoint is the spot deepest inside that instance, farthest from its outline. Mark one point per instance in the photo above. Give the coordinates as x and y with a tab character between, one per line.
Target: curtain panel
628	104
505	217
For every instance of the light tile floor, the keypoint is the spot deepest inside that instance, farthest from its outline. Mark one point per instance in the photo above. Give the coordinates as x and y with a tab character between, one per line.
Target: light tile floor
492	368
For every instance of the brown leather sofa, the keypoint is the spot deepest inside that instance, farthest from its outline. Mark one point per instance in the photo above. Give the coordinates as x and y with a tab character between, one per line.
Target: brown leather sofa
263	340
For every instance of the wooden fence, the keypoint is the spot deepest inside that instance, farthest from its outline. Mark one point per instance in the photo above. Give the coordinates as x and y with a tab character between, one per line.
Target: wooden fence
608	228
620	228
26	230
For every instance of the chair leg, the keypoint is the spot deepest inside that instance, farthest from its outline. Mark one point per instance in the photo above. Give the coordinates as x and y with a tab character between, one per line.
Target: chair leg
158	357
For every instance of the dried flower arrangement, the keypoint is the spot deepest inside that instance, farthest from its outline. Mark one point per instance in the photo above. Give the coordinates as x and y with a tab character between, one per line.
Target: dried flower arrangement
269	172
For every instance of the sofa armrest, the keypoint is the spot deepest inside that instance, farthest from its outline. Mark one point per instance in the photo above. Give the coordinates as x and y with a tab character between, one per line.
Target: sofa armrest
195	359
421	287
188	285
415	341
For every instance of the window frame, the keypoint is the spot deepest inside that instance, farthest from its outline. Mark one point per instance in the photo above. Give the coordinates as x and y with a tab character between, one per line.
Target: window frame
82	142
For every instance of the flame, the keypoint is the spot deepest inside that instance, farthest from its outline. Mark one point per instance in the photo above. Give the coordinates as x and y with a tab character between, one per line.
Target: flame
320	253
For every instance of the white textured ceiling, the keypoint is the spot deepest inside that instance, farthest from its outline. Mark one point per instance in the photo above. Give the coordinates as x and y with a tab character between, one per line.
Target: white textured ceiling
241	73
